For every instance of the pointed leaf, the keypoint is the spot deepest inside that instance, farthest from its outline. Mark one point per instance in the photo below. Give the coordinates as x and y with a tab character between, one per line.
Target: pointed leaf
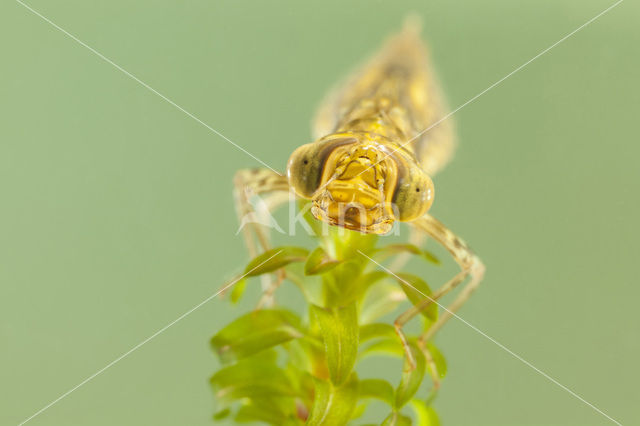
254	332
361	285
333	405
252	413
381	300
418	291
274	259
339	329
238	290
430	257
385	346
425	414
411	378
336	293
319	262
222	414
371	331
250	379
359	411
350	244
396	419
376	388
275	411
438	358
408	248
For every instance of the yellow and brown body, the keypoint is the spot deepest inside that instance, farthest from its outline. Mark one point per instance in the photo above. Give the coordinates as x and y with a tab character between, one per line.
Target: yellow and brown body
380	138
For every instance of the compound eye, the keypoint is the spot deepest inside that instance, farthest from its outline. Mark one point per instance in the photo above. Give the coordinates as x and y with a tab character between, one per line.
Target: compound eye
413	197
307	163
304	171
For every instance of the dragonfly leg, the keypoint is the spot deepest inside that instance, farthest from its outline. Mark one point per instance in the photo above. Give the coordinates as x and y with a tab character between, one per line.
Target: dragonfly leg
417	309
469	263
432	368
431	365
257	192
250	183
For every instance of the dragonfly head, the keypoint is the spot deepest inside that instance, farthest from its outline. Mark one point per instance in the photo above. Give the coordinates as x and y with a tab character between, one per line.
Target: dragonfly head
358	184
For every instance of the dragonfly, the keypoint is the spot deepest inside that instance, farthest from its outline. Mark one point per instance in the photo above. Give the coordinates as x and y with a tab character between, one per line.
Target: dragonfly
380	137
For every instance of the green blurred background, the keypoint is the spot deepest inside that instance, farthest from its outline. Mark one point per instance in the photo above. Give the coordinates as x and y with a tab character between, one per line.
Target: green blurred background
116	212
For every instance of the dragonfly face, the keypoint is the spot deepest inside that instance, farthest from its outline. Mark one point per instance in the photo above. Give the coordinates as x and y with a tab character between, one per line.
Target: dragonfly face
357	181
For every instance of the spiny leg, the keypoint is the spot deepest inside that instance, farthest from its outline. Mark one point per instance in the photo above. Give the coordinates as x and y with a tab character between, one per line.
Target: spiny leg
408	315
417	309
254	182
272	202
249	183
432	368
431	364
470	265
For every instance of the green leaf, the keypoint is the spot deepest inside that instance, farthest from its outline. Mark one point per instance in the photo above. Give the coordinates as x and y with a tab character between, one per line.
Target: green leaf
251	378
297	354
381	300
340	286
252	413
438	359
276	411
411	378
319	262
408	248
254	332
274	259
358	287
425	414
351	244
378	329
309	286
339	329
430	257
222	414
418	291
396	419
333	405
359	411
238	290
386	346
376	388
